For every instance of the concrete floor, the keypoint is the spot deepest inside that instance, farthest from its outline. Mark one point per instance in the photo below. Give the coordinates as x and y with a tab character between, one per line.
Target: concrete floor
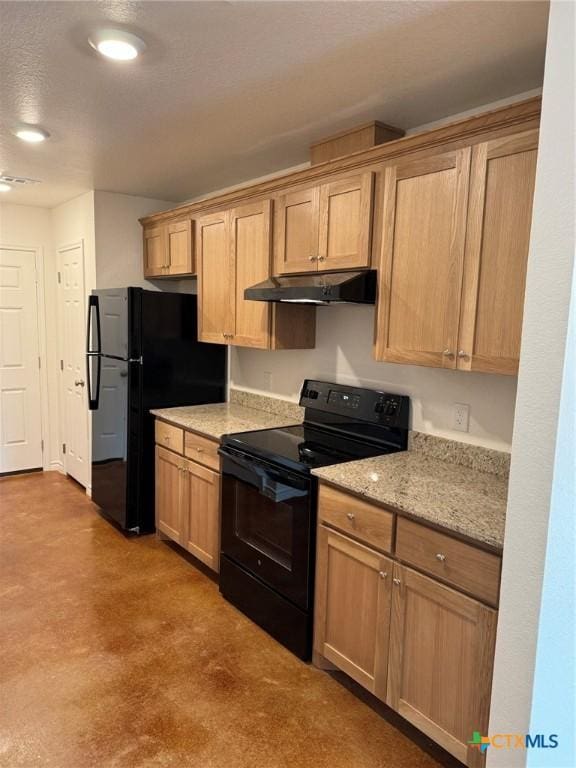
118	653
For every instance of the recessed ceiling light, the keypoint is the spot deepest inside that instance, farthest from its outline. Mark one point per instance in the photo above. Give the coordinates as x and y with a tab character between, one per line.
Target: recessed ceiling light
117	44
31	133
5	187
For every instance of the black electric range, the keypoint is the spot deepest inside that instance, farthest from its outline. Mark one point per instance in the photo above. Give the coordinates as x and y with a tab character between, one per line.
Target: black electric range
269	500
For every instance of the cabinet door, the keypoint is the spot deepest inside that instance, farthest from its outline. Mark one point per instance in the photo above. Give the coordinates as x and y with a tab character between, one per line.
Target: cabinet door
155	251
346	223
352	613
215	278
499	218
251	230
424	225
202	513
179	239
169	517
440	665
296	232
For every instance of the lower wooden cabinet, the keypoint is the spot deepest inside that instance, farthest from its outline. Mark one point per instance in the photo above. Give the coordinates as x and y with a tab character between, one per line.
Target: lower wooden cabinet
188	505
201	512
169	490
440	661
353	591
421	646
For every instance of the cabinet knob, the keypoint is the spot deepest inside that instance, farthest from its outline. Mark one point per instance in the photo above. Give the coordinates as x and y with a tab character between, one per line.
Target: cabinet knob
448	353
382	574
321	258
200	450
397	582
440	557
461	353
312	258
350	515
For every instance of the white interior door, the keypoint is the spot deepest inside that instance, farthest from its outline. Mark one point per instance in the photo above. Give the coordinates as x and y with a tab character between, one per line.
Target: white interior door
20	410
73	307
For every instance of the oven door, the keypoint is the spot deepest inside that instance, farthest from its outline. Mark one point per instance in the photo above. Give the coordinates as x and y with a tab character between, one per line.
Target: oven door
267	520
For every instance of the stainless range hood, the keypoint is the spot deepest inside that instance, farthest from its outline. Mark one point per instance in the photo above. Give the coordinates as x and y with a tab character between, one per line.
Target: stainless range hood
338	287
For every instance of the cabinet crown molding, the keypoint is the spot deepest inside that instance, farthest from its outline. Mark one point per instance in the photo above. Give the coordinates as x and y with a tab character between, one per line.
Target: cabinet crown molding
519	116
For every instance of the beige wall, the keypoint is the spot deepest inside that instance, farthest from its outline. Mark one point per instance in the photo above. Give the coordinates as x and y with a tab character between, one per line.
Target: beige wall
344	354
119	240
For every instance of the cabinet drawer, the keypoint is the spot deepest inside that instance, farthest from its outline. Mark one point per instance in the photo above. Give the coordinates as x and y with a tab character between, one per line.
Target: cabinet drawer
202	450
356	517
170	436
472	569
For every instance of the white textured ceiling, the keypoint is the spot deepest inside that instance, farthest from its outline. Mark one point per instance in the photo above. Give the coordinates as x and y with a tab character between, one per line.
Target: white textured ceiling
228	91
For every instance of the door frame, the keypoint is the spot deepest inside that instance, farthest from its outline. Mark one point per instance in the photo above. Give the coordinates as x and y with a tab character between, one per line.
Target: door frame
60	249
38	254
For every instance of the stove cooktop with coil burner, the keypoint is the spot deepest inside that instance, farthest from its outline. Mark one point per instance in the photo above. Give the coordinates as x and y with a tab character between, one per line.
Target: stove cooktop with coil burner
340	424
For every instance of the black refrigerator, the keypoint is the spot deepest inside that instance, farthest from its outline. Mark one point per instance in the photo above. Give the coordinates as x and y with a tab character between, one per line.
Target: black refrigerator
142	352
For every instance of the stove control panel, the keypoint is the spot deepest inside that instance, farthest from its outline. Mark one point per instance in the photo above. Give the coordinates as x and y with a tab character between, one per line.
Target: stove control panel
337	400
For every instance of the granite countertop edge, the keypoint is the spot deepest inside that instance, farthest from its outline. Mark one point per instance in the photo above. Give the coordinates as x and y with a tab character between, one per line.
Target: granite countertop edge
212	420
435	512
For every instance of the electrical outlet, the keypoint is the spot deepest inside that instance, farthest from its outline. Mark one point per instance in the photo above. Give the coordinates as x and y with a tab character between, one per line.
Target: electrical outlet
461	417
267	380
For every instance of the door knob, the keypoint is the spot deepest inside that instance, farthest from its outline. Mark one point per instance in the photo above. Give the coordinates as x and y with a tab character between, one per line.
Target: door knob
79	383
382	574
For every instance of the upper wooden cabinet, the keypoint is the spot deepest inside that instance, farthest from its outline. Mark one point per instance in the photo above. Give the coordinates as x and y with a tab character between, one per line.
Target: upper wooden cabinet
327	227
424	227
216	279
455	235
233	251
499	218
296	228
168	250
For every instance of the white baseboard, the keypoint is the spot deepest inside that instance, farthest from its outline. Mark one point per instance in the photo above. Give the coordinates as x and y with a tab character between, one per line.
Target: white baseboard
55	466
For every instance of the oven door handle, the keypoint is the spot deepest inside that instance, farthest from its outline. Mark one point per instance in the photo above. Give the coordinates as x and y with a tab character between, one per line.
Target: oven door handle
269	482
278	492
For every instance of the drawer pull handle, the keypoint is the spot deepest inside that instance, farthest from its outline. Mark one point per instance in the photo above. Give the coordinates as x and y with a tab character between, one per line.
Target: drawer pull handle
397	582
440	557
383	574
350	515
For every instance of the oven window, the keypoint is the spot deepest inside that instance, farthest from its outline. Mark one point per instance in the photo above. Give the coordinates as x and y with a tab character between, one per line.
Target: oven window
264	524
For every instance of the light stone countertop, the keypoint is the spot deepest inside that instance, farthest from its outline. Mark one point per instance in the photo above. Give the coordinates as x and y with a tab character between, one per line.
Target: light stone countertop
450	496
219	419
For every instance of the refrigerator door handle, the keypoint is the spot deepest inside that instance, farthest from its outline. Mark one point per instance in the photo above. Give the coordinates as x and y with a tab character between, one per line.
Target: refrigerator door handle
93	304
93	399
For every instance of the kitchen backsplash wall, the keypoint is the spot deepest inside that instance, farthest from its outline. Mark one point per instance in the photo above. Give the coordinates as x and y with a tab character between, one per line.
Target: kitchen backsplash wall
344	354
